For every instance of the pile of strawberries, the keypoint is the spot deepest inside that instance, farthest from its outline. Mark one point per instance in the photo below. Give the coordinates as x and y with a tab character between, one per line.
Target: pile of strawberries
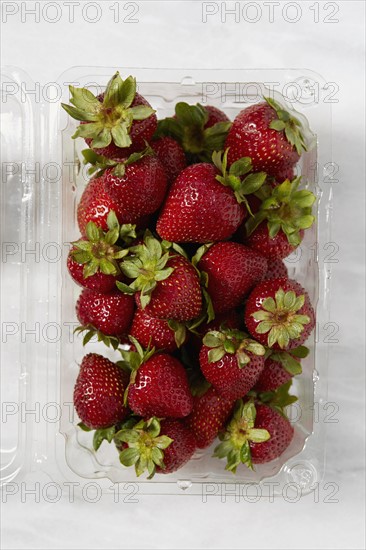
184	225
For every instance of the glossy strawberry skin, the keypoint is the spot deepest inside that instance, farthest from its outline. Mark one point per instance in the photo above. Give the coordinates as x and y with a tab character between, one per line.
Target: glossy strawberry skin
161	389
141	190
153	332
272	376
95	205
226	376
180	450
98	392
171	155
276	269
215	115
276	247
251	136
268	289
99	282
141	130
280	430
178	297
232	269
198	208
110	313
210	412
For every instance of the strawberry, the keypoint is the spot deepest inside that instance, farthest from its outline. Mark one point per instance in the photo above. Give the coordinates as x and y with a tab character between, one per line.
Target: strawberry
288	212
116	123
232	269
93	260
276	247
156	446
200	130
111	314
158	384
167	284
95	205
210	412
158	333
171	155
269	135
256	434
231	362
98	392
278	313
279	368
275	269
206	202
215	116
137	184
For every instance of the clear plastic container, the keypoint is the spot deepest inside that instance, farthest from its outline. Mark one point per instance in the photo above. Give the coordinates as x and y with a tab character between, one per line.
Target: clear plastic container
42	180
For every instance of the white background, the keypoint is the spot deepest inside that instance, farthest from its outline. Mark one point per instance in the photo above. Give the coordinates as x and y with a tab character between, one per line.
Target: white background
172	34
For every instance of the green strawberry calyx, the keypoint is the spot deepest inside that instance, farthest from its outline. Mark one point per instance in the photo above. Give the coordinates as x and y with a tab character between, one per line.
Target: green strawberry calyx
132	361
289	124
147	265
290	360
239	433
99	163
279	318
100	435
231	342
109	120
91	331
234	176
145	446
188	128
100	250
288	209
278	399
180	331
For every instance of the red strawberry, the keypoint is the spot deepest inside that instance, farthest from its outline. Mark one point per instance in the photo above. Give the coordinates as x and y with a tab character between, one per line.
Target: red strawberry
204	206
275	269
280	430
100	282
232	269
273	376
157	333
269	135
276	247
158	386
158	446
288	212
171	155
279	368
168	285
278	313
215	115
93	260
95	205
98	393
231	362
210	412
256	434
200	130
137	185
116	123
110	314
